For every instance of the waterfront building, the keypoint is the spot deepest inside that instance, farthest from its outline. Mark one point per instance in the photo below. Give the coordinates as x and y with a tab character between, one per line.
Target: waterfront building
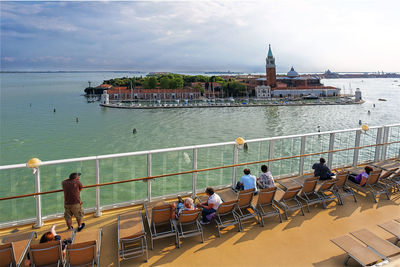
139	93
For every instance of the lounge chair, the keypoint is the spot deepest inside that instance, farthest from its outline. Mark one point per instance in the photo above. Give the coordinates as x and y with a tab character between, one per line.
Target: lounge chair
265	206
132	240
372	185
356	251
14	248
188	224
244	207
308	193
288	201
342	190
159	217
226	216
379	245
85	250
327	191
392	227
227	194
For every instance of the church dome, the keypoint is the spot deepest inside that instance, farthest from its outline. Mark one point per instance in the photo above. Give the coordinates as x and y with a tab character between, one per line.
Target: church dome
292	73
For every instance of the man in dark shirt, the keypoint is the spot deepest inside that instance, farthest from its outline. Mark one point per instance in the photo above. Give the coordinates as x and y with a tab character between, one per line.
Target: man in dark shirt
322	171
72	200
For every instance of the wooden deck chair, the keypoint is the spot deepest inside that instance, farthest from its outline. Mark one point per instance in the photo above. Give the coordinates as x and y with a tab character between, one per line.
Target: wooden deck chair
244	207
288	201
226	216
227	194
327	191
341	187
160	222
188	225
392	227
372	185
132	240
85	250
265	206
379	245
46	254
14	248
308	193
356	251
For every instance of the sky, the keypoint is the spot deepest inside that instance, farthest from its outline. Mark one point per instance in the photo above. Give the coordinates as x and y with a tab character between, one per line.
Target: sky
311	35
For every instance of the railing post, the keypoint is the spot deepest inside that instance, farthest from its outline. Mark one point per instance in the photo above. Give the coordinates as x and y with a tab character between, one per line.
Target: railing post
385	140
270	154
378	143
149	174
194	175
235	161
98	211
39	221
302	151
331	146
356	150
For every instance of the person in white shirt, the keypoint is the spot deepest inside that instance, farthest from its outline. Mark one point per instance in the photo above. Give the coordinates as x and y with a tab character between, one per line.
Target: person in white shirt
210	206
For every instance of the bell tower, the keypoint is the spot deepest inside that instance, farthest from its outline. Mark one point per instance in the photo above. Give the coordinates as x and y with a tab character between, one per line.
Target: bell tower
270	69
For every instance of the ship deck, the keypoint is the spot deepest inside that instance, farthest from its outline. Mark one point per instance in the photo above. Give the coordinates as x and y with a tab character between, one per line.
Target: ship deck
299	241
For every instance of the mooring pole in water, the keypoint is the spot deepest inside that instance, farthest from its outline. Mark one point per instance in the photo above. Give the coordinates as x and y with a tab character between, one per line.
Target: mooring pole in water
77	119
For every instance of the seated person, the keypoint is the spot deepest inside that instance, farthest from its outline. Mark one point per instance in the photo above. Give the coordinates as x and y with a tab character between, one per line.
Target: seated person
266	180
209	206
322	171
361	178
186	204
247	181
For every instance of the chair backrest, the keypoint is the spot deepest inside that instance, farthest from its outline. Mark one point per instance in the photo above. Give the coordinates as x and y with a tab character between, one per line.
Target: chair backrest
245	197
226	207
341	178
82	253
309	184
188	216
326	185
46	253
7	255
291	193
266	195
373	177
161	214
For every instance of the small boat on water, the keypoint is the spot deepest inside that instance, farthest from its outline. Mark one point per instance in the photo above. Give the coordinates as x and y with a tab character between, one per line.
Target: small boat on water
310	96
382	99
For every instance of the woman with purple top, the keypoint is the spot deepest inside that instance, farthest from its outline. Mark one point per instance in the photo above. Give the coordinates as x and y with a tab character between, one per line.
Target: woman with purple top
361	178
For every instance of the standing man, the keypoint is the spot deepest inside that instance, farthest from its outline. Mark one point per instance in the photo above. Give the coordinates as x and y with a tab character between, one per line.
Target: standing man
248	181
72	200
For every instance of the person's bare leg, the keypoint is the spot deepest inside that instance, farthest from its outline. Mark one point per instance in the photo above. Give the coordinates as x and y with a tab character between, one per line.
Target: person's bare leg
53	229
69	223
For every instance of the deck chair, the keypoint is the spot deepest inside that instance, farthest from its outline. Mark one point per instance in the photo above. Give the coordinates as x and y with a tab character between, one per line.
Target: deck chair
327	191
160	222
372	185
392	227
14	248
188	225
132	240
288	201
244	207
226	216
85	250
228	194
308	193
46	254
356	251
379	245
265	206
341	188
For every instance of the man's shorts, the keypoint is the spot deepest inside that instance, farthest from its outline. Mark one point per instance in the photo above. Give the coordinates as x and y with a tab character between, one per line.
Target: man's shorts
75	210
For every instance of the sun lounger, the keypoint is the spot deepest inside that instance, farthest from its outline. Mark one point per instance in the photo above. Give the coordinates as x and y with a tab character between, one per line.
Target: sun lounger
245	208
226	216
308	193
341	187
372	185
356	251
188	224
392	227
14	248
327	191
132	240
379	245
288	201
85	250
265	206
227	194
160	222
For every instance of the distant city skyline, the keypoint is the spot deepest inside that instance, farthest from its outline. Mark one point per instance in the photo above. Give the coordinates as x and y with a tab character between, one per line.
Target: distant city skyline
184	36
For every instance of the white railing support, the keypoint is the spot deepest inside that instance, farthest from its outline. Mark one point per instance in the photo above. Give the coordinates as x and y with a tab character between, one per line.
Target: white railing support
331	146
194	175
39	221
302	151
356	150
149	174
385	140
235	161
98	206
378	142
270	154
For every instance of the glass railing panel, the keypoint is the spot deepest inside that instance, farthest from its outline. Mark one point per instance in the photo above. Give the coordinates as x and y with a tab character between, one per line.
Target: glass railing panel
119	169
172	162
393	150
256	151
367	138
16	182
286	148
315	144
342	141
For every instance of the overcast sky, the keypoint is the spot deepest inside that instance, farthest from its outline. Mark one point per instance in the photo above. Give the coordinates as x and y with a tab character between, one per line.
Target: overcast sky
311	35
